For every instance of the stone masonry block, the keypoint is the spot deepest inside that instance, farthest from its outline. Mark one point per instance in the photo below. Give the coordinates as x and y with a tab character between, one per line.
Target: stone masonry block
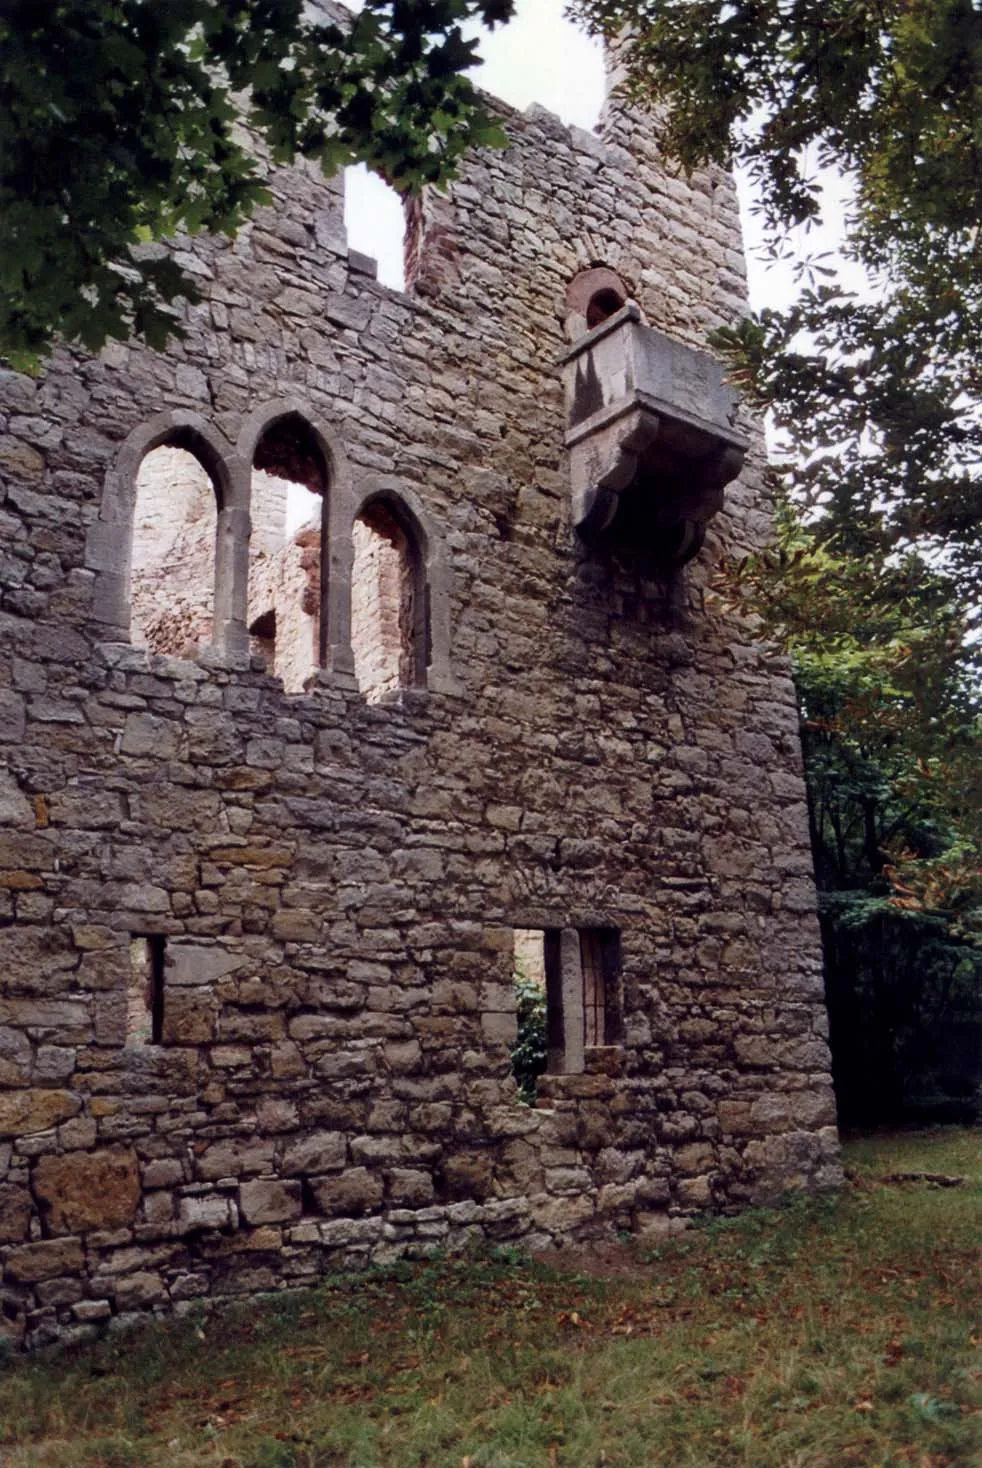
82	1191
267	1201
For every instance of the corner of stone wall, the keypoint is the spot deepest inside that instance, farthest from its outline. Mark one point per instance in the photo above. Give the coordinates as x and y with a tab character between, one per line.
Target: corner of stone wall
431	249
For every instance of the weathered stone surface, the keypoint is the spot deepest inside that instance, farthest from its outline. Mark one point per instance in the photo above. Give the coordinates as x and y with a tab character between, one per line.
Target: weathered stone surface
15	808
467	1175
408	1188
231	1159
190	1017
264	1201
13	717
318	1152
88	1190
15	1213
258	917
45	1260
195	964
207	1213
34	959
24	1112
145	734
354	1192
136	1291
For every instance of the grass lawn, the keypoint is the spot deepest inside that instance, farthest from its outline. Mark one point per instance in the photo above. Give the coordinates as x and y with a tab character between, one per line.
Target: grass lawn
841	1331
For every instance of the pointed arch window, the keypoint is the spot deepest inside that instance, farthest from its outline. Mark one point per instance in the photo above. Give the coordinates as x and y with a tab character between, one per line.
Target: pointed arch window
173	549
287	573
389	600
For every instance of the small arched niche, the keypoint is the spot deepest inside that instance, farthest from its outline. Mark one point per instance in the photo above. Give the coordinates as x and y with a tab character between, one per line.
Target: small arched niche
592	297
288	509
173	550
389	622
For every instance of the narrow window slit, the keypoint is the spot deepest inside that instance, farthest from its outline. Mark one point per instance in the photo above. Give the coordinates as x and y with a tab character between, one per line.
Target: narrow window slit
145	996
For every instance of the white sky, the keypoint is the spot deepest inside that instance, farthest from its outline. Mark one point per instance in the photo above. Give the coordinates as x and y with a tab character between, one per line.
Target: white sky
540	56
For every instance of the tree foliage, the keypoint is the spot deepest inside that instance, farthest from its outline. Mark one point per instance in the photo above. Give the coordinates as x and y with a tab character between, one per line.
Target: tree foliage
891	740
529	1054
121	123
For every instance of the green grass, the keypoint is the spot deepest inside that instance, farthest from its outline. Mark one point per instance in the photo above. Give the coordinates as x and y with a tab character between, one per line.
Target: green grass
832	1332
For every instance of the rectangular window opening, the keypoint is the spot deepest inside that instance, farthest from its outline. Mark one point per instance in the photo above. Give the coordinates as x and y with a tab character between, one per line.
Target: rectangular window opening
600	963
568	999
145	995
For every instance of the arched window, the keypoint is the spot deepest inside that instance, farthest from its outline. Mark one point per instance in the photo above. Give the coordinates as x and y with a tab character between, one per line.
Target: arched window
389	621
172	558
592	297
288	511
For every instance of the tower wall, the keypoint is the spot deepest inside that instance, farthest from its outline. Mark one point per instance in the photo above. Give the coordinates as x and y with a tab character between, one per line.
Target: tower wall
328	888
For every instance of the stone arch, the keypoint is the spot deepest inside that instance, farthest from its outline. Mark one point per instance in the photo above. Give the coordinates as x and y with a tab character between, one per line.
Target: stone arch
109	544
385	495
335	493
257	423
592	297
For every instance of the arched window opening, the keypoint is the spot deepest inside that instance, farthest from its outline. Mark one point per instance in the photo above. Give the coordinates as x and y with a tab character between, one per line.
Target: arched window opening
592	297
288	506
388	610
172	562
602	306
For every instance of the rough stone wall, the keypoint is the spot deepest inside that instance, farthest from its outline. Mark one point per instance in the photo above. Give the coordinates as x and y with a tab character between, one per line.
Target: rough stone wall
268	512
335	884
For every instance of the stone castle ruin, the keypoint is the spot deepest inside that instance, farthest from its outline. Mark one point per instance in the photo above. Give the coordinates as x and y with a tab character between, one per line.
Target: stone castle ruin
352	641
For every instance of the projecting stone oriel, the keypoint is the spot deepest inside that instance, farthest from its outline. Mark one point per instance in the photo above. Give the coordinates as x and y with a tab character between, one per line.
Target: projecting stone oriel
652	439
